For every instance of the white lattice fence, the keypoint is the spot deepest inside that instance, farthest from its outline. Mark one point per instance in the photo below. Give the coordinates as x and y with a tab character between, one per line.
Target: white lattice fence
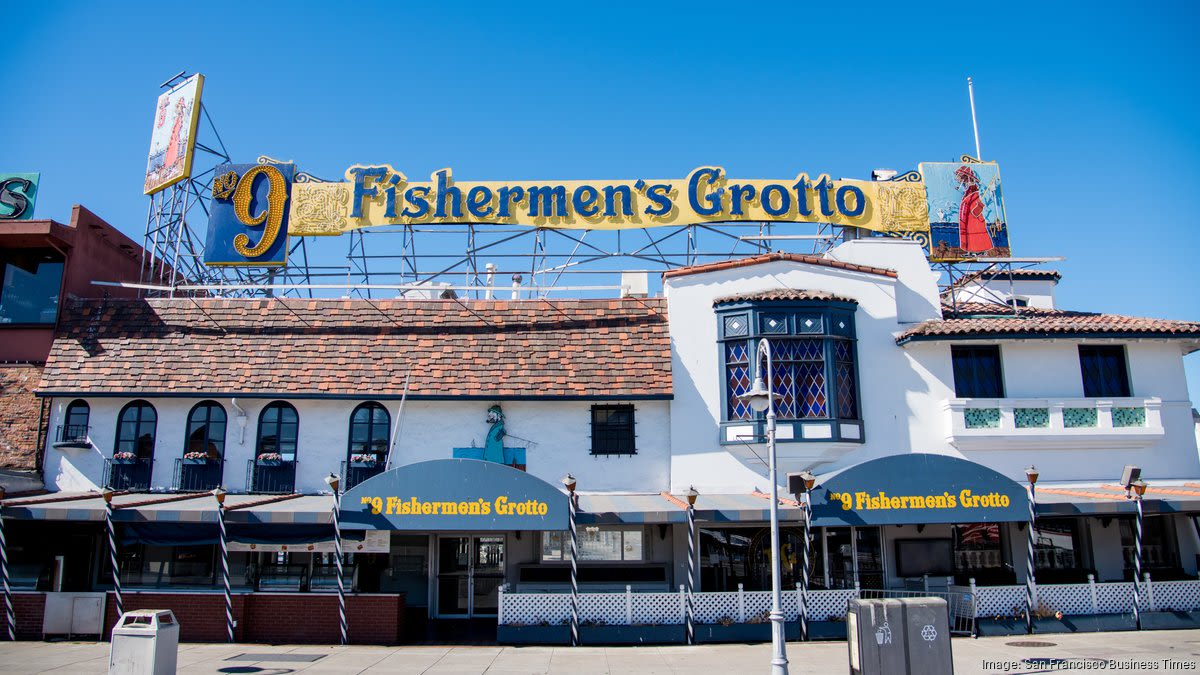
1116	597
758	606
535	608
1180	596
657	608
1065	598
715	607
998	600
822	605
601	607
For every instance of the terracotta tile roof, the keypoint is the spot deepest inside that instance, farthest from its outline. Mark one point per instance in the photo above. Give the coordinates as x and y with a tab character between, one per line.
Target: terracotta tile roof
783	294
988	320
773	257
361	348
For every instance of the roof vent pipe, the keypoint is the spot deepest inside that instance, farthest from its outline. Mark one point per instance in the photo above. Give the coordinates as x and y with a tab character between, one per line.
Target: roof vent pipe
491	280
516	293
241	416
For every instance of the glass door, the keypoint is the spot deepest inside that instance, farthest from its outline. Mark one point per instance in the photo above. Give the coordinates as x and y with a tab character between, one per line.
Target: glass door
470	572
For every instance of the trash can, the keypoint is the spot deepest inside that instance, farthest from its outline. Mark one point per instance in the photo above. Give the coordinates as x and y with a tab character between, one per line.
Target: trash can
898	636
144	642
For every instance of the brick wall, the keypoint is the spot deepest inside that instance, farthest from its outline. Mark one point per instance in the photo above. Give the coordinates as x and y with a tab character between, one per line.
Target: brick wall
29	609
19	416
291	618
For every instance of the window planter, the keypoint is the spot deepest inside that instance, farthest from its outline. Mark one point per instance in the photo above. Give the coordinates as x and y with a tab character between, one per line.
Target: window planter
364	465
269	462
196	461
124	460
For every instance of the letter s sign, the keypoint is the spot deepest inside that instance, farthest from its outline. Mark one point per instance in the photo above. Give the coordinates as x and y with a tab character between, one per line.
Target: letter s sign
17	192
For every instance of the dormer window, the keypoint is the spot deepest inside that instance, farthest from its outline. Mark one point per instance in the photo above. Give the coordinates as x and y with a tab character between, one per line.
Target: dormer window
813	354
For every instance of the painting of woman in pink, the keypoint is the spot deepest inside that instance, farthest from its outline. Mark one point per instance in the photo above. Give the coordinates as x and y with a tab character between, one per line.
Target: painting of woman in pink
175	119
175	145
973	235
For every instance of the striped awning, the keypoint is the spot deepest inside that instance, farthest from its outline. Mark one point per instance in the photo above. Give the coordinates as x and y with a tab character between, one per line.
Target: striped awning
1076	499
655	508
173	508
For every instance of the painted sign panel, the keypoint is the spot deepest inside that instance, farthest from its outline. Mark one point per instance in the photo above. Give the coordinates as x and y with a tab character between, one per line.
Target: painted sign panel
966	210
380	195
454	494
918	488
18	193
248	218
173	137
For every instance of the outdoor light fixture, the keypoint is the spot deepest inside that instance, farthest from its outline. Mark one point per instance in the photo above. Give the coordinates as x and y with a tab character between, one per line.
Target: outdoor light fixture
568	481
1139	487
1031	474
219	493
332	480
691	496
107	493
759	397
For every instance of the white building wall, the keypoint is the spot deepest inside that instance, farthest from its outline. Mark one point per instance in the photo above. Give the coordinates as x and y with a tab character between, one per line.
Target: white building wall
1037	293
559	435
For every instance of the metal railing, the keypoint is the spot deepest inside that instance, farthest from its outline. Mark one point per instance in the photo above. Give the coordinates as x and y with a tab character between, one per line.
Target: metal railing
198	476
128	474
271	477
354	473
960	606
73	433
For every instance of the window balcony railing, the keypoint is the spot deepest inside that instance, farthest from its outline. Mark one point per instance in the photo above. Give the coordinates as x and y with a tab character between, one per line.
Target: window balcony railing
354	473
271	476
981	423
128	474
73	436
198	475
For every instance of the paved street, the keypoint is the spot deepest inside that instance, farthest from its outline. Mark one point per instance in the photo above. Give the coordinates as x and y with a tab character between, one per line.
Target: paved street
1158	651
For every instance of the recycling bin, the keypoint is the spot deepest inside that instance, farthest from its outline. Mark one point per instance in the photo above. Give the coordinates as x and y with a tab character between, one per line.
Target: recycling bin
898	636
144	642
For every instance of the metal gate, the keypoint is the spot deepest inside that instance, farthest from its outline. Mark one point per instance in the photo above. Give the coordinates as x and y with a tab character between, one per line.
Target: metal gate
960	606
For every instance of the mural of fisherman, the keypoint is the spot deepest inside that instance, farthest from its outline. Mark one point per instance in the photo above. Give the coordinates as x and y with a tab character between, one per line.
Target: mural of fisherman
173	137
966	210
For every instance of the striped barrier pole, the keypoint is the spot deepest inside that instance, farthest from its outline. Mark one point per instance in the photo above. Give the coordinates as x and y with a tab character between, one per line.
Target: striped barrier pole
220	496
112	551
691	577
1137	564
1029	558
337	552
804	570
569	482
9	617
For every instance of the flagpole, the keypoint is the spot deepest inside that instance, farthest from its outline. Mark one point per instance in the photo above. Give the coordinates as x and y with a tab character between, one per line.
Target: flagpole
974	122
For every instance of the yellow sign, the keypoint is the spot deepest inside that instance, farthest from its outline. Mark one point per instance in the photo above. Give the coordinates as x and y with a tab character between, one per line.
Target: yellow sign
381	195
412	506
865	501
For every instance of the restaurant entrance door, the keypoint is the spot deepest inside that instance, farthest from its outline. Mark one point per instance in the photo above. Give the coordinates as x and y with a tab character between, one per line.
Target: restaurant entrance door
470	573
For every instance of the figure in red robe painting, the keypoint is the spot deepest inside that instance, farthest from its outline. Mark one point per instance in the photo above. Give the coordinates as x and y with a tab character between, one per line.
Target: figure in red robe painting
973	235
175	145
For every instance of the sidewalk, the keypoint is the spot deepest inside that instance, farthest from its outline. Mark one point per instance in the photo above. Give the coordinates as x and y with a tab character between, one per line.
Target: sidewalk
1151	651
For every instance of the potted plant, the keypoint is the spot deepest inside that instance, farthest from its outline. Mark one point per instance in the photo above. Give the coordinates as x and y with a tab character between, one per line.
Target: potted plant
364	461
124	457
270	459
195	458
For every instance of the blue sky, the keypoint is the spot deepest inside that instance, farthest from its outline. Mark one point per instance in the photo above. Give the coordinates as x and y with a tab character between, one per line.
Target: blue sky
1090	108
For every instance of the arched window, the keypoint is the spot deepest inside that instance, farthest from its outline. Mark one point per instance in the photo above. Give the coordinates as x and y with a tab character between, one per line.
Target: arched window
136	427
370	427
75	422
278	427
206	430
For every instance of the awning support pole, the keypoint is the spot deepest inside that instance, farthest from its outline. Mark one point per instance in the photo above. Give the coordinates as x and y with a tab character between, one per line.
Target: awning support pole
337	551
10	617
112	551
691	578
1030	603
804	569
574	566
220	495
1137	564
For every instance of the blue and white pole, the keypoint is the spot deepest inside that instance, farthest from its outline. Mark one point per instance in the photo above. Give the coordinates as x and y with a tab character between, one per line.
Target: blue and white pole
10	618
1139	488
112	551
569	482
690	619
334	483
1030	580
219	494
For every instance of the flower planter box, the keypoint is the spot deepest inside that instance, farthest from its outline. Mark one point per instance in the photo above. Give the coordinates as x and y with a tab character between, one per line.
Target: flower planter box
195	462
364	465
124	460
1079	623
754	632
533	635
1170	620
269	462
671	634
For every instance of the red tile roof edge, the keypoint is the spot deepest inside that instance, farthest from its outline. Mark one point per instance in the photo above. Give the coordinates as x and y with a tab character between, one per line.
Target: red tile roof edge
776	257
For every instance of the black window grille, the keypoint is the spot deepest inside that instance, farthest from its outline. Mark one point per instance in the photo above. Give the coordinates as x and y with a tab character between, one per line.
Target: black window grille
612	430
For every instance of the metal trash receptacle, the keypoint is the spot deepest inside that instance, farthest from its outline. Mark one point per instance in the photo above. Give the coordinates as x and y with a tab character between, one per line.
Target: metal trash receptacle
898	636
144	642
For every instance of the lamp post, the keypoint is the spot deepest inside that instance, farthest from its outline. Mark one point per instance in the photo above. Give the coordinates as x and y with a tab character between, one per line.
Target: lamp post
568	482
10	619
761	399
333	481
691	578
219	495
1032	475
112	550
1139	490
801	485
